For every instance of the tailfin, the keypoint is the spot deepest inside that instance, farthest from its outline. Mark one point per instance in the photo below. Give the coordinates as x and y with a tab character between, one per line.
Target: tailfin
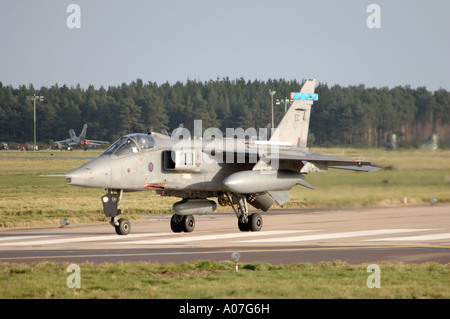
83	132
294	126
72	133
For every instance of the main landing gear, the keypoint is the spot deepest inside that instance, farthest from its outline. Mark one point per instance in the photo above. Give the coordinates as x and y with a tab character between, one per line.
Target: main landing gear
110	208
179	223
246	222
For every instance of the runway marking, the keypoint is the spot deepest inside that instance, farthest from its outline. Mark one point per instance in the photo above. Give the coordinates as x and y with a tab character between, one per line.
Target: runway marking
12	237
177	239
49	239
77	240
332	235
414	238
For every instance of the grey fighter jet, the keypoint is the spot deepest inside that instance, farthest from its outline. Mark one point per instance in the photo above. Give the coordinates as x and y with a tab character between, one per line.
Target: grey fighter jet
81	141
236	171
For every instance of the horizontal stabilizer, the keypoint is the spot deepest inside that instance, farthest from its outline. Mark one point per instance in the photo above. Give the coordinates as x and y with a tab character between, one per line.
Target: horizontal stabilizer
280	197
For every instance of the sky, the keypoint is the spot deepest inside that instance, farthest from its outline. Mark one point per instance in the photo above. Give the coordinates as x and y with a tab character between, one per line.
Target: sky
178	40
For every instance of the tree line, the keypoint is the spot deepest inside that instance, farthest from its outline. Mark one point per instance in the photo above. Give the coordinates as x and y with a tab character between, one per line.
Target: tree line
353	115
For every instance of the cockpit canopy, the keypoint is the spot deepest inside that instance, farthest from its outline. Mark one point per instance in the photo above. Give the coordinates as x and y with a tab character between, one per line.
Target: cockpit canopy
130	144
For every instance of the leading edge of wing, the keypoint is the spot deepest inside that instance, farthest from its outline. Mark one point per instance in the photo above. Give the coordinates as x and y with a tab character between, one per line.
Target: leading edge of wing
98	142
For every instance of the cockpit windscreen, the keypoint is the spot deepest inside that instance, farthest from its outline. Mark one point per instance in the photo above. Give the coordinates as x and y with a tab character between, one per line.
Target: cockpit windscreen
130	144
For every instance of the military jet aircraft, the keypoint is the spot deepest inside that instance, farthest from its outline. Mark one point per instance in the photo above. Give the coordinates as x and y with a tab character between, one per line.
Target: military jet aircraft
233	170
80	141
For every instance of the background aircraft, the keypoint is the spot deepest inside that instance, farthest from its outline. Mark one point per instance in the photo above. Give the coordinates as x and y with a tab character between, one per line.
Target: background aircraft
235	171
78	141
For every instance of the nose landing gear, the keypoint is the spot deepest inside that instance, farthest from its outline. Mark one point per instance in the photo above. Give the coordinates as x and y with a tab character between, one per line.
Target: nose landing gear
110	208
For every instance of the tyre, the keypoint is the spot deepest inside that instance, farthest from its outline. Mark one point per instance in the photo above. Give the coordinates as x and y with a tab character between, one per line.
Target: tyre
175	223
255	222
242	226
188	223
124	227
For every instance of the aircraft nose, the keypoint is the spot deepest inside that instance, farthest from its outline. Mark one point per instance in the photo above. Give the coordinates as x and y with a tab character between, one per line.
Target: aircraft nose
80	177
96	173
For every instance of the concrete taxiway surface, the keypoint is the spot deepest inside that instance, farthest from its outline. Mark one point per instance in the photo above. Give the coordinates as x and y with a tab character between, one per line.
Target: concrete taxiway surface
413	234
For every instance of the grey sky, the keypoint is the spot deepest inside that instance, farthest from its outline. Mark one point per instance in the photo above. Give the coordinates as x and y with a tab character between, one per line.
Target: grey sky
159	41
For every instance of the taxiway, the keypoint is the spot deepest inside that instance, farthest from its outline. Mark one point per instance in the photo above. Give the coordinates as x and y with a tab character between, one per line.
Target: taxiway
412	234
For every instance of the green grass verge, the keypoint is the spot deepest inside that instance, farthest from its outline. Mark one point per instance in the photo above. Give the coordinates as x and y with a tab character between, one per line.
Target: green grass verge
206	279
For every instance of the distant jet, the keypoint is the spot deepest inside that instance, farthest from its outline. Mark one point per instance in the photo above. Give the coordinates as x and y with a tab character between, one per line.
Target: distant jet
80	141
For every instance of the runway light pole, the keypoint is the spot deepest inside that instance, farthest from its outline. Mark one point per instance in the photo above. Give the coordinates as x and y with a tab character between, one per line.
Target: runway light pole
35	98
272	93
285	101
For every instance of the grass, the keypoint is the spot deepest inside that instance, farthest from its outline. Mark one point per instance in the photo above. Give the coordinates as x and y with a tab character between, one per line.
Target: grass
218	280
28	198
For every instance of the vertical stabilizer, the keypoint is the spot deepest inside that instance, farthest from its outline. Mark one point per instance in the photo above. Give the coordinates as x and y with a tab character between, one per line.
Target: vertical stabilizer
294	126
83	132
72	133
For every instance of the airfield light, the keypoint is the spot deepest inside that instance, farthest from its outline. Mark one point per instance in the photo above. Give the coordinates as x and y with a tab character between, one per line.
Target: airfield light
64	222
235	257
285	101
272	93
35	98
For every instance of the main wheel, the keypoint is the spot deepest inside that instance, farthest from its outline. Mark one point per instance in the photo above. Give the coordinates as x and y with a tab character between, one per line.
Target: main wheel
124	227
188	223
255	222
243	226
175	223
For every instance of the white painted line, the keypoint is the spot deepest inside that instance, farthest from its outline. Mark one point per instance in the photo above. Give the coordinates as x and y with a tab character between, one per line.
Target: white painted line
177	239
415	238
332	236
72	239
12	237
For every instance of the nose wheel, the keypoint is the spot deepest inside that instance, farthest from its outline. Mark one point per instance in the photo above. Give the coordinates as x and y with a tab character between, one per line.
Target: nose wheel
111	209
124	227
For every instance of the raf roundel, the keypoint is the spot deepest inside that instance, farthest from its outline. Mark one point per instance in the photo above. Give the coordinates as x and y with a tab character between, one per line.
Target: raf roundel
150	167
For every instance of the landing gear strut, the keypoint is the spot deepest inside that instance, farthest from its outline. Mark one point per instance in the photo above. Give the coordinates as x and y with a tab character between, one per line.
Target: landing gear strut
246	222
111	209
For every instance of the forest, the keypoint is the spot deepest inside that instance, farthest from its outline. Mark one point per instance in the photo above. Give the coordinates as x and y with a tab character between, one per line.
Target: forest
354	115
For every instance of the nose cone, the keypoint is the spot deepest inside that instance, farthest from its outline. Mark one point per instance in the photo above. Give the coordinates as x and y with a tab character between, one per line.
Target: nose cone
96	173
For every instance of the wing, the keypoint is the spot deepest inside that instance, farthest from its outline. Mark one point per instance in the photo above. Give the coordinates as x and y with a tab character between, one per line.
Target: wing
95	142
63	141
324	160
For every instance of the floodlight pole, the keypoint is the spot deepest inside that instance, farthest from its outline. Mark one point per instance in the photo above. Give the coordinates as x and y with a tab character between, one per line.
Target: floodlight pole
272	93
285	101
34	98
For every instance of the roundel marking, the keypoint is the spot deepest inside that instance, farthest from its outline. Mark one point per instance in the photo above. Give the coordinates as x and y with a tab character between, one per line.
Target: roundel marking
150	167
